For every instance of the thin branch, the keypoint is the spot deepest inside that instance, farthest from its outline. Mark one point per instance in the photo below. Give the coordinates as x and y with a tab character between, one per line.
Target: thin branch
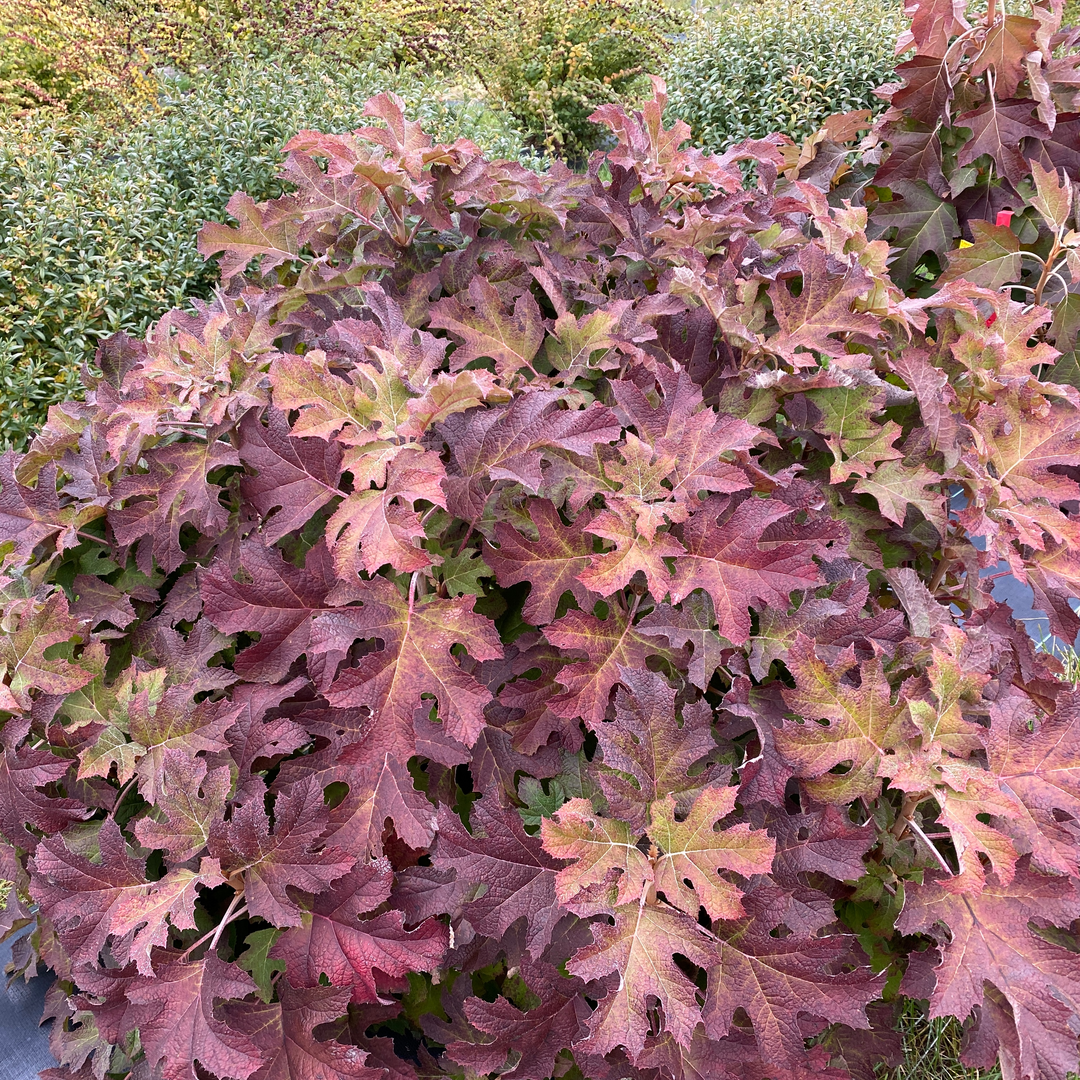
933	850
235	910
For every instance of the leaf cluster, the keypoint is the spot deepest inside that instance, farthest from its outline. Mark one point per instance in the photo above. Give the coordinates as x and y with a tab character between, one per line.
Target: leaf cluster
984	115
536	625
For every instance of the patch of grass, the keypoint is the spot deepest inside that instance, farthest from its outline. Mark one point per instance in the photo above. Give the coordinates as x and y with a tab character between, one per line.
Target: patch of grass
932	1049
1071	661
1066	654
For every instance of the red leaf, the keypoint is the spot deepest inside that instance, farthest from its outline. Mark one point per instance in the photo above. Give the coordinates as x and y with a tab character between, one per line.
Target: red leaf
608	645
535	1036
990	941
745	554
192	801
1004	49
823	308
640	947
263	231
291	855
254	738
1034	760
647	753
380	789
296	477
174	1013
518	874
864	724
510	442
998	129
29	515
416	660
23	772
551	564
776	978
512	341
173	492
693	623
278	603
284	1033
333	940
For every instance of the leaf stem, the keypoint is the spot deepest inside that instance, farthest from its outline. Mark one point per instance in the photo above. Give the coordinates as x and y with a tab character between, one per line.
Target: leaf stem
231	913
120	797
933	850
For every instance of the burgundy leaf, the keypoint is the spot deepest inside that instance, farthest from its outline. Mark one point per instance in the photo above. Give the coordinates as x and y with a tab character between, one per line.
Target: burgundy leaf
292	855
333	940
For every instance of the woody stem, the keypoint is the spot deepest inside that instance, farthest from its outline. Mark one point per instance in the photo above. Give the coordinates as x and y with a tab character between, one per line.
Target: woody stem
1047	270
907	811
940	571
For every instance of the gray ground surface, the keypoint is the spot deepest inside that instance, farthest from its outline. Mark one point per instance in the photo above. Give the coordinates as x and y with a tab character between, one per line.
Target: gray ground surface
24	1047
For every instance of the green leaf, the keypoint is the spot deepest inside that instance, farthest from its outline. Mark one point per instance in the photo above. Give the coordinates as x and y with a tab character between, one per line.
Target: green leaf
992	260
539	804
258	963
1063	332
923	222
461	573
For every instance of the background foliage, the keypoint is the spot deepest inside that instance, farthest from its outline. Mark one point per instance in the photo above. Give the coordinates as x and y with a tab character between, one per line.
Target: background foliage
72	55
748	68
552	62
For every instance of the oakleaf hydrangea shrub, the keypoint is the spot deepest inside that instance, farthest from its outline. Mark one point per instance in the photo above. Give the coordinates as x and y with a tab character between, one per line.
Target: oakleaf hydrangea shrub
526	625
